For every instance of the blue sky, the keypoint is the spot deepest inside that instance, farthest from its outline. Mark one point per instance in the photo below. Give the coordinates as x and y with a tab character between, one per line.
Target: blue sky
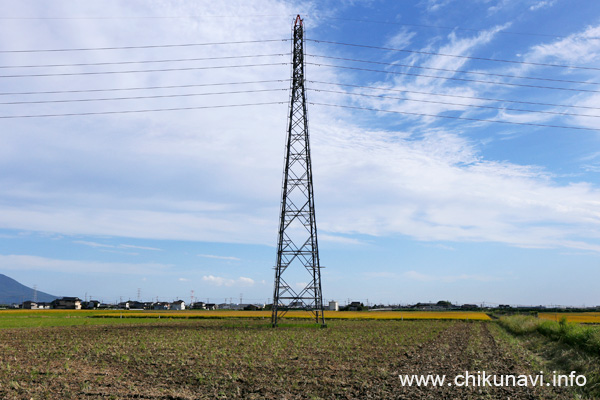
424	200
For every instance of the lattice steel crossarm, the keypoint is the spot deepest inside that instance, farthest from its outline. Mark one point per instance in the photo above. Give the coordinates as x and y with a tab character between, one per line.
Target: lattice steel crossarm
297	244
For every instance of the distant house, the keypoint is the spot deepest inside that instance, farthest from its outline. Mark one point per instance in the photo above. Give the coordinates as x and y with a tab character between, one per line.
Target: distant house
211	306
178	305
199	305
230	306
136	305
124	305
90	305
44	306
67	303
29	305
296	304
160	306
355	306
427	307
252	307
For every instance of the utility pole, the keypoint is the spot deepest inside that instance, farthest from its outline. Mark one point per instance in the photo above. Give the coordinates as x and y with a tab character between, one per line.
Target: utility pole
297	247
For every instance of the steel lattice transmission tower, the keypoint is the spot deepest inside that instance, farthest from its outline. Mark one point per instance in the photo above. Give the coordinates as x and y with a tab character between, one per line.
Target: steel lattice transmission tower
298	272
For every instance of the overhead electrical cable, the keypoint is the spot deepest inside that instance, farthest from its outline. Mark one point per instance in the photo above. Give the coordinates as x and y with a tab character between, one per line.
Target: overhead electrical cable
154	17
154	46
455	78
142	88
454	70
141	61
138	111
430	53
454	95
142	71
447	103
458	118
141	97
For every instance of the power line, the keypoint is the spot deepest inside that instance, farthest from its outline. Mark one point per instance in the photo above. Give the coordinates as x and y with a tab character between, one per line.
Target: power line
456	96
456	79
453	55
452	104
453	70
142	88
141	97
141	71
141	61
146	46
138	111
459	118
150	17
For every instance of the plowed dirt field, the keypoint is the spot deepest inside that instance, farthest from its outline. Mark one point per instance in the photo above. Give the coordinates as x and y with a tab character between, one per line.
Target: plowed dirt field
207	359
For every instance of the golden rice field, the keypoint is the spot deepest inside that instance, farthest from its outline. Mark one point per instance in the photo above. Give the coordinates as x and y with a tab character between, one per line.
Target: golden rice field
582	318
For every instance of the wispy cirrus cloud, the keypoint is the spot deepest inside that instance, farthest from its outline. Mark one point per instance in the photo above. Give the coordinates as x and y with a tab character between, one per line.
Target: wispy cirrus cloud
421	277
21	262
230	258
417	276
118	246
221	281
542	4
581	47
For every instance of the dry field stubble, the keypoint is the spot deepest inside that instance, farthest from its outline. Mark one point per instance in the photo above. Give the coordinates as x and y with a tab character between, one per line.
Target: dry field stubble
329	315
206	358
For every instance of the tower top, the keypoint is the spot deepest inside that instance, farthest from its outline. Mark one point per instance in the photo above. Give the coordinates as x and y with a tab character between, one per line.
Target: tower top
298	21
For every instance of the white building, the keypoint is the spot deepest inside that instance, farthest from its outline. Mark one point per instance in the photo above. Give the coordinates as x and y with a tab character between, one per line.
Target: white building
178	305
334	306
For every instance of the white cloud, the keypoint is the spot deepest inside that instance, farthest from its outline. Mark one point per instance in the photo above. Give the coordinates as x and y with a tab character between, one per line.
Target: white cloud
439	189
417	276
219	257
542	4
215	175
499	6
130	246
93	244
35	263
300	285
578	48
119	246
323	237
436	5
402	39
221	281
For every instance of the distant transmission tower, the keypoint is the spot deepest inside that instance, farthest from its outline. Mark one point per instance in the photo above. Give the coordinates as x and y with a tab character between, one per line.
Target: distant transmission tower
297	272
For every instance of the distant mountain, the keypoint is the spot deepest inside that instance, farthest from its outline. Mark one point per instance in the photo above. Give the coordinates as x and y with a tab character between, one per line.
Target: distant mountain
12	291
